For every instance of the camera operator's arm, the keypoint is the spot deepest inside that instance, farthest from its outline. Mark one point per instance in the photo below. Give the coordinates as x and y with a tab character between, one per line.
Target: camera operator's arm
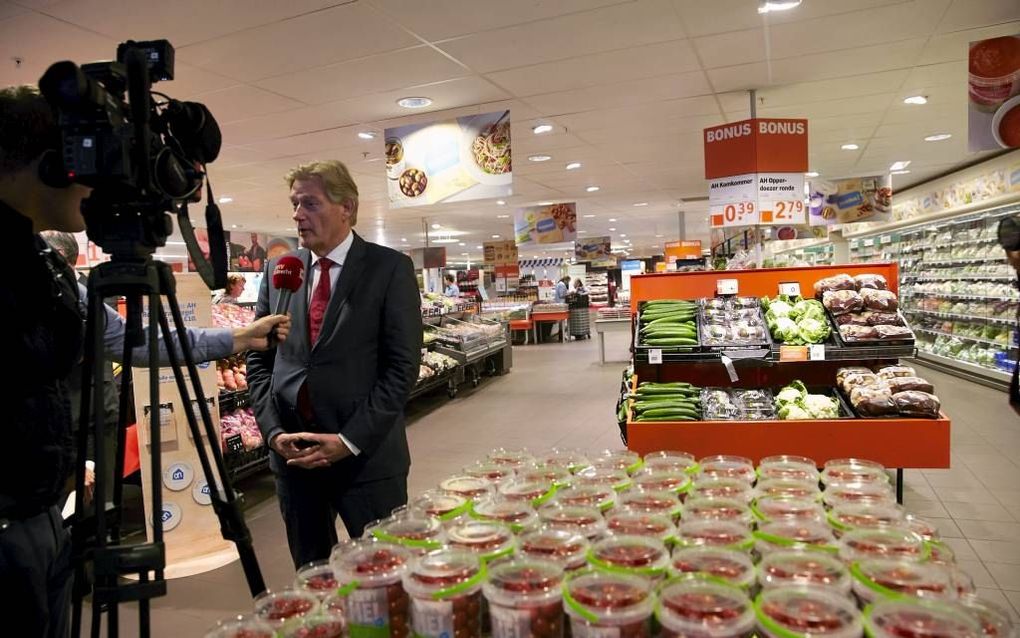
260	378
207	344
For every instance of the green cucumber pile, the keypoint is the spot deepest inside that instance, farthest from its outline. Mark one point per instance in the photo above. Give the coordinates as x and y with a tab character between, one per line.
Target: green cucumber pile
669	323
678	401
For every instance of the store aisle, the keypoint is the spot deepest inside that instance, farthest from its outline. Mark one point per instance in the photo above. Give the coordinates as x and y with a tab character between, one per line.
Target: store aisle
557	394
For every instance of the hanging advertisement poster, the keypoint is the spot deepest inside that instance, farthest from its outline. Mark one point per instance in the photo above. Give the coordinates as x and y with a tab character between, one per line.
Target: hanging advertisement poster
457	160
593	248
551	224
247	250
500	253
993	94
278	246
843	201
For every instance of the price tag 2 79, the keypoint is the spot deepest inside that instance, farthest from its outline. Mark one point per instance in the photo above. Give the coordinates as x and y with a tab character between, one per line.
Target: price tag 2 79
655	356
789	288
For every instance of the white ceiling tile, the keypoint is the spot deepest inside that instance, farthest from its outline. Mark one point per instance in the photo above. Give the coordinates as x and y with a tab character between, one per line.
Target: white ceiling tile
452	94
739	77
657	112
400	69
40	41
719	16
441	19
9	10
952	74
190	80
336	34
606	29
241	101
660	59
947	47
968	14
182	21
834	64
853	88
734	47
622	94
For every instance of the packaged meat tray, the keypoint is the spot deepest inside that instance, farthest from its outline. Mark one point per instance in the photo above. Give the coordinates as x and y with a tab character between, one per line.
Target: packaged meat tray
880	300
871	280
903	384
879	334
837	282
917	404
840	302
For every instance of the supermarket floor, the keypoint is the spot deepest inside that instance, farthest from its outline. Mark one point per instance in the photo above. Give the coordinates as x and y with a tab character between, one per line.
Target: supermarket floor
557	394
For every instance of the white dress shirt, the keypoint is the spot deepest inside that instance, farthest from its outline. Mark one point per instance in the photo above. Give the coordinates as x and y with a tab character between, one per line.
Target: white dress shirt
338	256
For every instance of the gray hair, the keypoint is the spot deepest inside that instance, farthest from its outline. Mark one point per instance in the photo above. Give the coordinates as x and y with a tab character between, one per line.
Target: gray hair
63	243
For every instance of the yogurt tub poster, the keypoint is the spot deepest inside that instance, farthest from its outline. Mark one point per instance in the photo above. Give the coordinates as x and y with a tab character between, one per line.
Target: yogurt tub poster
551	224
993	94
853	199
457	160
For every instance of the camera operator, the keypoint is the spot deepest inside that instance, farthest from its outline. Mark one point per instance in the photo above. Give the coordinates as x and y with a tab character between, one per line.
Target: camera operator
1009	239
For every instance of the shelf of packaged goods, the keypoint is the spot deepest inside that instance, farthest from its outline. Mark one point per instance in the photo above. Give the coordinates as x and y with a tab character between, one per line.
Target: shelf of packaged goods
898	442
446	378
231	400
989	342
968	277
928	261
477	353
967	369
952	315
773	356
952	296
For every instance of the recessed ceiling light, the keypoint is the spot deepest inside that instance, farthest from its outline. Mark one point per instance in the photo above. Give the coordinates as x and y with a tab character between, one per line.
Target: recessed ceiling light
588	216
545	203
916	99
225	200
539	158
465	254
571	166
502	216
500	202
495	236
767	6
592	189
233	225
541	128
414	102
436	226
612	230
612	219
403	239
849	147
811	174
479	247
623	235
461	244
903	172
366	135
640	203
658	235
582	232
899	166
938	137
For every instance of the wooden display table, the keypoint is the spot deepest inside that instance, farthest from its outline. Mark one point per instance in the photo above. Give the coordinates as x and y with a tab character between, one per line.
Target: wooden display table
546	317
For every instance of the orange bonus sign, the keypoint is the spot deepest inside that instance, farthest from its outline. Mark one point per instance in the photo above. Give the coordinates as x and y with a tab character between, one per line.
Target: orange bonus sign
761	145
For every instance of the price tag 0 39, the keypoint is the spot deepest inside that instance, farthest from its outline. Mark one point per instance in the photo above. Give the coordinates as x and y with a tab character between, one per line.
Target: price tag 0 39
789	288
655	356
726	287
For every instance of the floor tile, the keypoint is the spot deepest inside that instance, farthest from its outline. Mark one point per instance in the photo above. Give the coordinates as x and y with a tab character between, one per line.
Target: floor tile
1006	496
987	530
1000	598
1006	576
946	526
976	570
925	507
1014	599
978	511
996	551
973	495
961	548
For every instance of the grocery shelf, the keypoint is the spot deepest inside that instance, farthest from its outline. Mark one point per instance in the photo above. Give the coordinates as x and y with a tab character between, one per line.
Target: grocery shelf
231	400
970	277
771	356
958	260
989	342
952	315
950	295
972	371
448	378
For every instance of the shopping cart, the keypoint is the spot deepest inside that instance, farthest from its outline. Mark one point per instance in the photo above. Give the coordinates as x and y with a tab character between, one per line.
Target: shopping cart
578	317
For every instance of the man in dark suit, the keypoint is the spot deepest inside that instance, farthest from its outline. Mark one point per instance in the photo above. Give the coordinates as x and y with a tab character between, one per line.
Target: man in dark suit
330	400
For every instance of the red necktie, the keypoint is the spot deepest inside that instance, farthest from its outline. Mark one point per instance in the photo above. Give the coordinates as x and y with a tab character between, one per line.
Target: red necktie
320	300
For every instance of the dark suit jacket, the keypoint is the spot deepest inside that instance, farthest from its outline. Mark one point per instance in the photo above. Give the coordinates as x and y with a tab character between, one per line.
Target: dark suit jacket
361	369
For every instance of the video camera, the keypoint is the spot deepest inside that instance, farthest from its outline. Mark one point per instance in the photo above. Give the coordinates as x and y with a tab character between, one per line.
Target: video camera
143	157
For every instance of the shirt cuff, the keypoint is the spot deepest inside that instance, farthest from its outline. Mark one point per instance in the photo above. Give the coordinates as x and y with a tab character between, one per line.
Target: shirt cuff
220	343
350	446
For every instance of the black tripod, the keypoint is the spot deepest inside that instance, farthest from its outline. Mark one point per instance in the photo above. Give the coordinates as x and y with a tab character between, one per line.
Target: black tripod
96	534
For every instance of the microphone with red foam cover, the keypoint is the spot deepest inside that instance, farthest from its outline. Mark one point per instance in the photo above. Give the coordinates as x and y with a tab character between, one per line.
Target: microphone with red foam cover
288	276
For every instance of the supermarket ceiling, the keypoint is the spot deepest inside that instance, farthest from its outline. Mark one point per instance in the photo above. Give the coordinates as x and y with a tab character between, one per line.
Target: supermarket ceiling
627	85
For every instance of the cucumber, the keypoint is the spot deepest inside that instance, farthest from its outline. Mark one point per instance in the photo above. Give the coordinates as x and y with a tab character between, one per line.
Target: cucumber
666	418
672	341
668	411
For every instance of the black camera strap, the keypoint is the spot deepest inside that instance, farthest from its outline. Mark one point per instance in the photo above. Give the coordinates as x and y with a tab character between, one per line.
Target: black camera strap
213	269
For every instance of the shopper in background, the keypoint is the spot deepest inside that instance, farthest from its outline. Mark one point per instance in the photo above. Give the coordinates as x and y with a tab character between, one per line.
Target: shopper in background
230	294
562	288
452	289
330	401
579	288
1009	239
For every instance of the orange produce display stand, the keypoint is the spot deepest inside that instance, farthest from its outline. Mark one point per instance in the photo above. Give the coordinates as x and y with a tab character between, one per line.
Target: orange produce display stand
895	442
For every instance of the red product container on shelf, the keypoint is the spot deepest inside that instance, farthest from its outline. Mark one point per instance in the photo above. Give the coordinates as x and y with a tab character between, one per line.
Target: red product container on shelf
487	540
786	466
242	627
417	532
636	555
699	607
849	516
534	492
995	621
566	548
446	597
633	523
445	506
370	574
890	578
316	577
511	458
619	480
621	459
728	466
804	567
518	515
710	533
665	503
587	521
781	535
882	542
470	487
662	481
923	528
733	566
806	612
717	509
722	487
865	493
277	607
600	497
916	618
601	604
315	627
671	461
556	475
489	471
842	471
768	509
570	460
525	599
788	488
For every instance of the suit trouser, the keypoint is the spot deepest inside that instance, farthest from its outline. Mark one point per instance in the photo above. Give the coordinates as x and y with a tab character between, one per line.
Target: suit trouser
311	499
35	575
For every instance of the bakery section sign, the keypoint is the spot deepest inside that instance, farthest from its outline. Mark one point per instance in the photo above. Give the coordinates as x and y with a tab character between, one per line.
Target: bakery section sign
458	160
